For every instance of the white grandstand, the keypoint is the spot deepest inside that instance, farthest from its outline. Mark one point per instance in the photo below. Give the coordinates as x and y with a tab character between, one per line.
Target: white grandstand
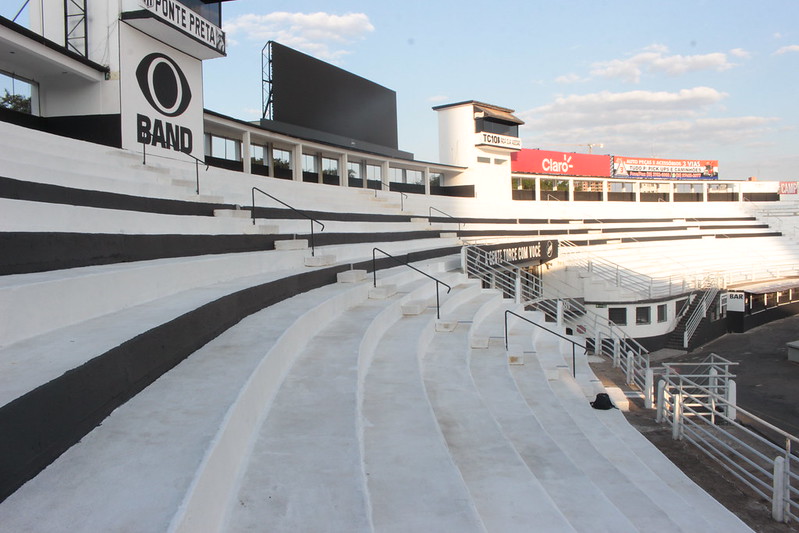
174	356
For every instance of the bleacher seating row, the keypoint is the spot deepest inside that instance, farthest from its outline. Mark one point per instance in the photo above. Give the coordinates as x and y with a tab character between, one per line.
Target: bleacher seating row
165	364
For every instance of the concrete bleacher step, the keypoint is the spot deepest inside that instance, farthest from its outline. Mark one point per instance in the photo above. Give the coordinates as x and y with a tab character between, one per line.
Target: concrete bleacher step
154	450
630	500
233	213
395	404
351	276
138	465
504	491
680	509
320	260
308	453
383	291
582	502
291	244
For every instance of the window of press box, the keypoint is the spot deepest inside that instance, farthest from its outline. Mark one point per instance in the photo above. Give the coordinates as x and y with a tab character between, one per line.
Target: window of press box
222	147
18	94
282	158
662	313
643	315
488	125
618	315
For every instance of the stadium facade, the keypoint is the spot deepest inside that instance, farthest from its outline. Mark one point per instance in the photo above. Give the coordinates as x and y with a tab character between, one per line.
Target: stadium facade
140	228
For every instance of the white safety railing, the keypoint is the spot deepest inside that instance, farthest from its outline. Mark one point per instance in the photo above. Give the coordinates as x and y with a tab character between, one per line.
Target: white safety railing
622	277
607	338
709	289
653	287
698	401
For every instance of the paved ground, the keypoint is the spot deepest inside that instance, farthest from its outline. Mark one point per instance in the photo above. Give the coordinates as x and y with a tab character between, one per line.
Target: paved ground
768	386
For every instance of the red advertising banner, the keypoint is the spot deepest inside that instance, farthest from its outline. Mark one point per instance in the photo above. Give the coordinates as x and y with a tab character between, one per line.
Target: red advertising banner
630	167
788	187
560	163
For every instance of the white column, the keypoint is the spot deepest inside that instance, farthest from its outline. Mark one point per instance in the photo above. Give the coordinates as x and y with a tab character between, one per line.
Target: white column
538	195
246	157
705	187
343	175
384	177
296	163
571	189
605	190
637	188
672	185
427	181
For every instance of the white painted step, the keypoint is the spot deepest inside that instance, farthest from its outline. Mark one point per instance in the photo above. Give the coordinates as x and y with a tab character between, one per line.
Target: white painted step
581	501
504	491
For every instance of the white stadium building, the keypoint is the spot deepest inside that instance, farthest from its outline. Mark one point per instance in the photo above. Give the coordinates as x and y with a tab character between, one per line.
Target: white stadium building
210	324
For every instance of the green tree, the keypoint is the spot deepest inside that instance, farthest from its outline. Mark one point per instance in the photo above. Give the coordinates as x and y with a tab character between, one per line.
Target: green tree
16	102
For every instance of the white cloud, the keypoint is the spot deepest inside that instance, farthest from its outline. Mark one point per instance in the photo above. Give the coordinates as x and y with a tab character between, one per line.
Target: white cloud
570	78
655	59
787	49
640	122
437	99
322	35
740	52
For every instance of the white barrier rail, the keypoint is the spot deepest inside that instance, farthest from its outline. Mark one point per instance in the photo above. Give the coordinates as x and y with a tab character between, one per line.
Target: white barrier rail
698	401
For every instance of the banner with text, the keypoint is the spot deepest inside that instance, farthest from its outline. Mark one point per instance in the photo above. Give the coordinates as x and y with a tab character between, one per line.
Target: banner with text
630	167
560	163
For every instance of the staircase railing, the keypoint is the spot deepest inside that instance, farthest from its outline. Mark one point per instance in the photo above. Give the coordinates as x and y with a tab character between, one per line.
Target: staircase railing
430	216
536	324
608	338
710	288
407	264
623	277
278	200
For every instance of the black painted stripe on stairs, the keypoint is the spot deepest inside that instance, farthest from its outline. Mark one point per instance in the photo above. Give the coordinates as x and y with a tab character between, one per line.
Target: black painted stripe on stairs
28	252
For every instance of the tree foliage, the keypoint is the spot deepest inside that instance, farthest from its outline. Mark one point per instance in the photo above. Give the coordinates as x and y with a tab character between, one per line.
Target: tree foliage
16	102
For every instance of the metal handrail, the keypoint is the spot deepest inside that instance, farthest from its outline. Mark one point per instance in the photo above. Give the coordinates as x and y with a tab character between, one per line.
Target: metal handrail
635	364
430	216
407	264
278	200
197	162
574	343
387	186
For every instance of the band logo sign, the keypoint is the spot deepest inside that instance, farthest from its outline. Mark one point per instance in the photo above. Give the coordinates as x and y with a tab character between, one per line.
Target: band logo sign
166	89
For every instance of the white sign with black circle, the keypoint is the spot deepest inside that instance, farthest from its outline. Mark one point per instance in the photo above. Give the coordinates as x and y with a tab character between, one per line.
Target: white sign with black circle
162	98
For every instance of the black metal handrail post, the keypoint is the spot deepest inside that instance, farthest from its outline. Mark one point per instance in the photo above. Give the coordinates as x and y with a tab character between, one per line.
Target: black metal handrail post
574	356
430	216
197	162
401	262
290	207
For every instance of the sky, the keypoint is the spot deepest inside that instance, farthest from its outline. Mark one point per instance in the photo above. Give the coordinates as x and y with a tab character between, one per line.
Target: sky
677	80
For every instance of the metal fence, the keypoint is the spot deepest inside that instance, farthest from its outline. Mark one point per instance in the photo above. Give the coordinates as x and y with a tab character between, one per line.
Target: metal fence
698	401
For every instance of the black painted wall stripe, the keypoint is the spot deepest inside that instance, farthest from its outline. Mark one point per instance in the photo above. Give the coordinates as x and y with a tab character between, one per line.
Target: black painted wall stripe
15	189
28	252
